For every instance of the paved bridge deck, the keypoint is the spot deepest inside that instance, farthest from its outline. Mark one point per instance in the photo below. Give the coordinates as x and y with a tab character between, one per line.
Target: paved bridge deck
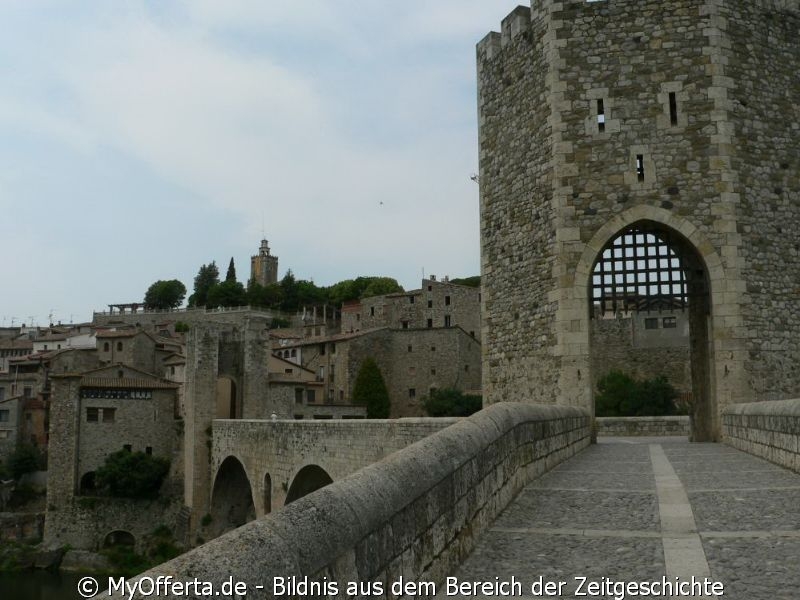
639	509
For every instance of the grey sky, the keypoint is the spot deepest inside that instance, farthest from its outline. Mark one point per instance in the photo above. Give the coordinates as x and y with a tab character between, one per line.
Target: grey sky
139	140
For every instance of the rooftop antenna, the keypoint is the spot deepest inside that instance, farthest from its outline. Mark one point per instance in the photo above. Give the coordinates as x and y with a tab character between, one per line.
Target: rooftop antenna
263	234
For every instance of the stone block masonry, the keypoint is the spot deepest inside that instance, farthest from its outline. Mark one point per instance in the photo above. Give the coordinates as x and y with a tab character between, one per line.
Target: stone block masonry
770	430
680	116
642	426
415	514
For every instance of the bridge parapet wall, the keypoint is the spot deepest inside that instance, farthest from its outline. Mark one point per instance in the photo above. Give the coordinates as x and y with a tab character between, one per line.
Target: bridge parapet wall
643	426
770	430
415	514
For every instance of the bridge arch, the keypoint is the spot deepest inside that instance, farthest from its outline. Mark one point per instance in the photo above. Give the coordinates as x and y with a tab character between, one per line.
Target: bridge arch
308	479
703	285
232	502
119	537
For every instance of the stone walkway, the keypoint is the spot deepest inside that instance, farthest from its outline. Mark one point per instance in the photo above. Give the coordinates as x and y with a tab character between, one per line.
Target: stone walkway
634	510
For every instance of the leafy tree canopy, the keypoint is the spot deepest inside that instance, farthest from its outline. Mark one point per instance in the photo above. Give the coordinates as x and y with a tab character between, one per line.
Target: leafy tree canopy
370	390
132	474
165	294
227	293
26	458
449	402
619	395
474	281
206	278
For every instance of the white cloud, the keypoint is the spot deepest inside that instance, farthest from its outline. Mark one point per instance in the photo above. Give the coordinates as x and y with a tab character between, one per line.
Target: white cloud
310	117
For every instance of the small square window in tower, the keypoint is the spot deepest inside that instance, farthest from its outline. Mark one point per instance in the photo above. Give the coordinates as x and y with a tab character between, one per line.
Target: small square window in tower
601	116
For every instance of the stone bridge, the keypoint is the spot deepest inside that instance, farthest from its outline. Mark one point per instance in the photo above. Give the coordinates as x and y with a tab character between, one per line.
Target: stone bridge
518	491
258	466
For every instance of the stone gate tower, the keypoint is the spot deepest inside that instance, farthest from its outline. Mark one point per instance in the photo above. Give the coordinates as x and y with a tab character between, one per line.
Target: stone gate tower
610	122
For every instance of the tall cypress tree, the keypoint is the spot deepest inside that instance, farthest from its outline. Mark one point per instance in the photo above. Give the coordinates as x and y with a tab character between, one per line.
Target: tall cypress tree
231	274
370	390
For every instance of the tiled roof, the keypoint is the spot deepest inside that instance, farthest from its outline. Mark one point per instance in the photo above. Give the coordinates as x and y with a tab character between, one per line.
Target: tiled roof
119	333
128	382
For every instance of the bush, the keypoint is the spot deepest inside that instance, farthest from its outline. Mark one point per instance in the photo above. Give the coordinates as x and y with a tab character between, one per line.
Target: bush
132	474
25	459
370	390
449	402
619	395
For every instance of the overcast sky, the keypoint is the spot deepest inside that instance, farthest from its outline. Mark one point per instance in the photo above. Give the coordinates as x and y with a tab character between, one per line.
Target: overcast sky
139	140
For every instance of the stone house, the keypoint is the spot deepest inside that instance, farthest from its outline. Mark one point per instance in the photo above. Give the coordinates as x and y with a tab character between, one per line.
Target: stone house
10	424
435	304
412	362
135	346
94	414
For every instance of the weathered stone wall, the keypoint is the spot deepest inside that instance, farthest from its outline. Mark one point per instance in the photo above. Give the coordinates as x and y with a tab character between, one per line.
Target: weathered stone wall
440	303
555	188
763	101
518	232
438	358
233	316
414	515
21	527
84	522
770	430
141	424
284	396
281	448
616	347
642	426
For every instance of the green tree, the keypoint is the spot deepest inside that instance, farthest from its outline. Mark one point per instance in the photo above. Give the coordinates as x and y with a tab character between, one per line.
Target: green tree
206	278
657	397
450	402
165	294
370	390
231	274
361	287
378	286
26	458
474	281
132	474
619	395
269	295
227	293
616	395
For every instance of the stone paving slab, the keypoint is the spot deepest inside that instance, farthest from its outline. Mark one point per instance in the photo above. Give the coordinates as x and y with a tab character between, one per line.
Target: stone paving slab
623	510
588	480
598	515
756	569
747	510
562	558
